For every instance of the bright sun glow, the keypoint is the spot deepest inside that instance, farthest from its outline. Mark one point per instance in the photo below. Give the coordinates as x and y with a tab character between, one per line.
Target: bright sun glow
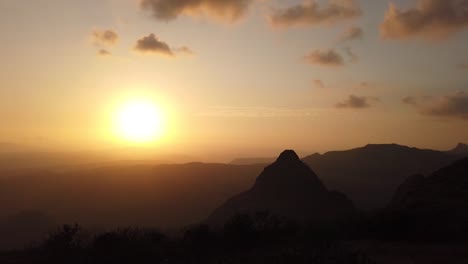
140	121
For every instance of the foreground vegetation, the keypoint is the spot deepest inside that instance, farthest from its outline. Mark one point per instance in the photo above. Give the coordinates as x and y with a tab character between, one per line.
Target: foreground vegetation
244	239
258	238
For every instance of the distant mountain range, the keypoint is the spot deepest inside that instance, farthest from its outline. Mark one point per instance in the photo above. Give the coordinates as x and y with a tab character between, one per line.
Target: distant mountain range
371	174
21	161
287	188
249	161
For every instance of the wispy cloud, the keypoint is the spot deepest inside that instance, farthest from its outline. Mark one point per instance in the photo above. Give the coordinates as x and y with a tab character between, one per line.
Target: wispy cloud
410	100
185	50
364	84
105	37
463	66
357	102
319	83
353	57
327	58
430	19
226	10
255	112
352	33
450	106
311	13
103	53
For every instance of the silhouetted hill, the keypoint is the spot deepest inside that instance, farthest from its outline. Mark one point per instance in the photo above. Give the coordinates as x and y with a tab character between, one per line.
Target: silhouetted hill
429	208
248	161
370	175
445	189
460	149
287	188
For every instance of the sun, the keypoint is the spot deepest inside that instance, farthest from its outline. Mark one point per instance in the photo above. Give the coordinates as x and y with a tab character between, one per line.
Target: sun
140	122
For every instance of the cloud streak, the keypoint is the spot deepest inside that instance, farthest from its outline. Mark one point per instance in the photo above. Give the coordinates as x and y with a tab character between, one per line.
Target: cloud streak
103	53
319	83
463	66
356	102
257	112
326	58
312	14
352	33
226	10
105	37
410	100
185	50
430	20
353	57
450	106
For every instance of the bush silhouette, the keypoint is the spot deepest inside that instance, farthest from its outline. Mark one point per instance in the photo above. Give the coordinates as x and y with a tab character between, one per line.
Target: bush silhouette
64	239
255	238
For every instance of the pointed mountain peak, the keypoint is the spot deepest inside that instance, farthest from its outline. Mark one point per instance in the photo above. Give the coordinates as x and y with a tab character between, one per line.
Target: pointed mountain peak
288	173
288	156
287	188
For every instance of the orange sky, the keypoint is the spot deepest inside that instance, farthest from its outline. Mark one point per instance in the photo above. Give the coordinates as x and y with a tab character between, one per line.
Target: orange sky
246	77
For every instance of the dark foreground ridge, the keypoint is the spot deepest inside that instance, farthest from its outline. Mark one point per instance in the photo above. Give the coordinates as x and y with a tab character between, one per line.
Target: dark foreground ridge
243	240
287	188
435	206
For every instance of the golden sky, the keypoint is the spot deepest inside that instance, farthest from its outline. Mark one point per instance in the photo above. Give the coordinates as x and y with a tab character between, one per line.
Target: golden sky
236	77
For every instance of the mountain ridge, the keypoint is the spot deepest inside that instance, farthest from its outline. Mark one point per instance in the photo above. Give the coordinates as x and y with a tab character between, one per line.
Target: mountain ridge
376	170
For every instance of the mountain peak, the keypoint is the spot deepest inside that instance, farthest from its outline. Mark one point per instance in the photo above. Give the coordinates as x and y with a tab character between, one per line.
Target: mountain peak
288	156
287	188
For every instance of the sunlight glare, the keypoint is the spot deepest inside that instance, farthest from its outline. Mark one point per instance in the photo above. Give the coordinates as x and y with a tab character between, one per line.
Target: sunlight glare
140	121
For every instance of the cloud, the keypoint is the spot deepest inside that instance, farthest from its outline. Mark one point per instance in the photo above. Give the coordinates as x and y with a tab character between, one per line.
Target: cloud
357	102
104	53
410	100
226	10
450	106
352	56
310	13
152	44
328	58
105	37
430	19
319	83
463	66
352	33
257	112
185	50
364	85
